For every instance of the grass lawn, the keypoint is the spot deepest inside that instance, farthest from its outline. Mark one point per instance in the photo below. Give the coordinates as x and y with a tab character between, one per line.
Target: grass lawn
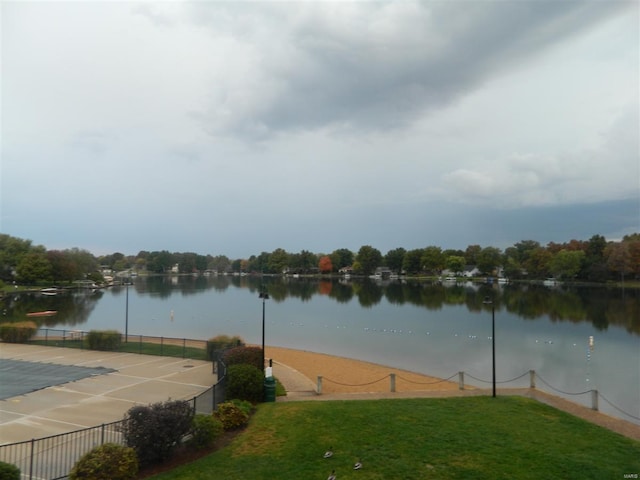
470	438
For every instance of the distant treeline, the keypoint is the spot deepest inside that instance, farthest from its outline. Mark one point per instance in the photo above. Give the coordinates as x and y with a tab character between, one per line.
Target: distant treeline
596	260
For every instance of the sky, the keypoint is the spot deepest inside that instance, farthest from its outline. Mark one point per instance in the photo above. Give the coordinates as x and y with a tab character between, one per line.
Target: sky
235	128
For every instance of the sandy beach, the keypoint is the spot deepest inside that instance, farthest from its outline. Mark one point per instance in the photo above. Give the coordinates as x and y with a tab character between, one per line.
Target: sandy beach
346	375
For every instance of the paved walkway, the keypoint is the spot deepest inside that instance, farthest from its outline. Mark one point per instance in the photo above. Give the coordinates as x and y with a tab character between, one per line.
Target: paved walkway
91	401
299	388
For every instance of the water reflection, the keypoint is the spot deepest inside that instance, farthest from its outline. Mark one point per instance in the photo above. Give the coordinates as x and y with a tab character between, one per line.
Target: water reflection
602	307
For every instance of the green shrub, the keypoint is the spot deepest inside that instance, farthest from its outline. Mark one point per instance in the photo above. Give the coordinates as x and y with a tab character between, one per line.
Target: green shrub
245	406
17	332
109	340
220	343
231	416
9	471
106	462
154	431
245	382
204	431
248	355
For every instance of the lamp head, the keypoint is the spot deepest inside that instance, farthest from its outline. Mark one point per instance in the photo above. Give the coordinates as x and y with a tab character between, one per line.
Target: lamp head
264	295
487	300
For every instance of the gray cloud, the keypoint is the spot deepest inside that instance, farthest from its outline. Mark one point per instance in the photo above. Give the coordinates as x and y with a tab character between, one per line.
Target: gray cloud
374	65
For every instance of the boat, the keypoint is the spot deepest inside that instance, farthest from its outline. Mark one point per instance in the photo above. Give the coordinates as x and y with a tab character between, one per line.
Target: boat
49	291
550	282
46	313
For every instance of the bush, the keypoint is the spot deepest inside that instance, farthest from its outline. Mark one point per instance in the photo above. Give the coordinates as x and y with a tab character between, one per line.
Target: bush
220	343
245	406
205	429
104	340
106	462
17	332
9	471
248	355
231	416
154	431
245	382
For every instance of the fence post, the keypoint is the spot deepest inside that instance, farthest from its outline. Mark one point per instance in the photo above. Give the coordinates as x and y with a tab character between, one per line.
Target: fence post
102	435
392	377
213	398
594	400
319	384
461	380
33	441
532	379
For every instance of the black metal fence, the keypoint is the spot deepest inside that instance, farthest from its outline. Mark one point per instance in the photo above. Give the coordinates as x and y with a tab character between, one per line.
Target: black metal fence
142	344
53	457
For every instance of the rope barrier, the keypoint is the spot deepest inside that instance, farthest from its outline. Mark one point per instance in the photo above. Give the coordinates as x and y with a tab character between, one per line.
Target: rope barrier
618	409
502	381
558	390
485	381
427	383
355	384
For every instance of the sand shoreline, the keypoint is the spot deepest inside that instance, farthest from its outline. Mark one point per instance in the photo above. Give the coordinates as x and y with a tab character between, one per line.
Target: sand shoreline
347	375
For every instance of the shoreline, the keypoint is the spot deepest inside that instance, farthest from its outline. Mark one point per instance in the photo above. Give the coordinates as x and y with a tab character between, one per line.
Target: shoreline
348	375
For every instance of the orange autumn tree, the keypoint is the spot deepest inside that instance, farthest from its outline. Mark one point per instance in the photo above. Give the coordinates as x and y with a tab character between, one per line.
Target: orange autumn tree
325	265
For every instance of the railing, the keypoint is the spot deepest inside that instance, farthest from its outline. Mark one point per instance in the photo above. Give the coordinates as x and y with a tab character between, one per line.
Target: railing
53	457
595	394
142	344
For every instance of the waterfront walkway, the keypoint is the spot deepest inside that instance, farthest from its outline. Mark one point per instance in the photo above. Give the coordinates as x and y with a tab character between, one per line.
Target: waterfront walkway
301	388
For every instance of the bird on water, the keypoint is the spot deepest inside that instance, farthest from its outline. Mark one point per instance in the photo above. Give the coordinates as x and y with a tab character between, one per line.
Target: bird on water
328	453
332	476
357	465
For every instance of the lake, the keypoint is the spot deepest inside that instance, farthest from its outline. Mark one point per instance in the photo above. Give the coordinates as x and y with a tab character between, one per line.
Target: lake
429	328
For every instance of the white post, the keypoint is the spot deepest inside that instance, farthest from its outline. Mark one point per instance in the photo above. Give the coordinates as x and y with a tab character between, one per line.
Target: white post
319	384
532	379
594	400
461	380
392	376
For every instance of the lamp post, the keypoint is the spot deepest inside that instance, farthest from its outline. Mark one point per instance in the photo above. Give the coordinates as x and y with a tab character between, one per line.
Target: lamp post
489	301
126	317
264	296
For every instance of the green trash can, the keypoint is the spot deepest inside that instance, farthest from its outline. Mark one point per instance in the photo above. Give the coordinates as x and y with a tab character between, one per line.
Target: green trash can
269	389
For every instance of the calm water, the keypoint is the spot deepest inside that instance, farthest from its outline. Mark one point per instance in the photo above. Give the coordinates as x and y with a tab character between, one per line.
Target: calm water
433	329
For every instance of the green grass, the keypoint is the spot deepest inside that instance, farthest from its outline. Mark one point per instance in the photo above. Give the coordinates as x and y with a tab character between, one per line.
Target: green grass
470	438
146	348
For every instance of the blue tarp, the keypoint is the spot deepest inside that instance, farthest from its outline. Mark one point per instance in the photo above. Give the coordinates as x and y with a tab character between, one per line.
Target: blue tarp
18	377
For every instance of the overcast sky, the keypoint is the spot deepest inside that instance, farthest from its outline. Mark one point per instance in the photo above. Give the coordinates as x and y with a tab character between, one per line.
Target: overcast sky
240	127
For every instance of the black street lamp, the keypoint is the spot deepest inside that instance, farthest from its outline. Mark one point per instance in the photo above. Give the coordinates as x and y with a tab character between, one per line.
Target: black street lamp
126	317
489	301
264	296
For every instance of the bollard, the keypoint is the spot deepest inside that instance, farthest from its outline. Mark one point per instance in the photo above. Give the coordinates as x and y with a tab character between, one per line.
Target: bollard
461	380
392	376
594	400
532	379
319	384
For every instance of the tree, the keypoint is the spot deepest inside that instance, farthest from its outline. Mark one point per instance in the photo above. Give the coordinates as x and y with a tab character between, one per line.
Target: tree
412	262
433	259
489	259
471	254
455	264
34	267
368	259
341	258
537	263
566	263
278	260
618	258
394	258
325	265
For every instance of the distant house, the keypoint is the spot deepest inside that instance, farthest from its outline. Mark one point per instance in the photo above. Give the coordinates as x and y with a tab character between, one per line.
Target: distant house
382	272
470	271
175	268
346	270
